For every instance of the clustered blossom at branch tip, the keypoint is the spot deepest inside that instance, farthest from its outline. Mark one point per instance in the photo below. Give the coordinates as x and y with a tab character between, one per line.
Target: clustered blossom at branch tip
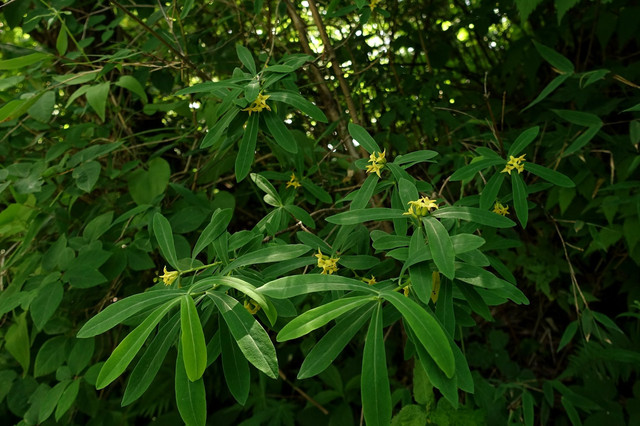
259	104
251	306
500	209
169	276
294	181
370	281
377	162
421	207
514	163
328	264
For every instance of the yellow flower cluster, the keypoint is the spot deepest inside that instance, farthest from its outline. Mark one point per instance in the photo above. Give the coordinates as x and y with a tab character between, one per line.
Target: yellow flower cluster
169	276
421	207
251	306
374	4
514	163
293	182
259	104
328	264
377	162
500	209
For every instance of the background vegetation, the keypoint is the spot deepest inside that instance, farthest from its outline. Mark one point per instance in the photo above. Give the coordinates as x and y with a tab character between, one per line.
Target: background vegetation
135	136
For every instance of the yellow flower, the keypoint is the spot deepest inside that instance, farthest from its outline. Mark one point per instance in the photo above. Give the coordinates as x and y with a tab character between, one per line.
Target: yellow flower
293	182
259	104
374	4
370	281
251	306
514	163
500	209
421	207
169	276
377	162
328	264
406	291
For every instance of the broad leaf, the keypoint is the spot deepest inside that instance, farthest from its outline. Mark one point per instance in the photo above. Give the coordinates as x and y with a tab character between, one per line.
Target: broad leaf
440	246
287	287
363	138
194	347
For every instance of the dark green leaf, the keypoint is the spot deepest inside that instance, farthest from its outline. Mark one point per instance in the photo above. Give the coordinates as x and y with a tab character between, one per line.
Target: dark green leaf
234	366
332	343
363	137
470	170
123	354
164	236
440	246
376	394
473	214
194	347
300	103
246	58
251	338
523	141
549	175
218	224
427	330
247	147
554	58
150	362
317	317
190	396
520	198
280	133
287	287
354	217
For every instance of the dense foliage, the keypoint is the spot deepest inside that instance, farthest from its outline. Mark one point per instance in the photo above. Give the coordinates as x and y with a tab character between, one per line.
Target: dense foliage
277	212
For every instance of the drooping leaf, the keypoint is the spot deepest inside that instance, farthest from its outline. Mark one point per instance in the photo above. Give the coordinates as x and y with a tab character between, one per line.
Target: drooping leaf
376	394
251	338
190	396
440	246
317	317
123	354
247	147
427	330
194	347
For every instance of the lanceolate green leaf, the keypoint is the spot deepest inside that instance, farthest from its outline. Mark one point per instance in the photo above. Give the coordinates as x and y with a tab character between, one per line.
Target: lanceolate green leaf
190	396
234	366
194	347
270	254
129	347
246	288
490	192
376	394
332	343
252	339
164	236
246	58
119	311
440	246
427	330
218	224
354	217
317	317
363	137
554	58
150	362
300	103
553	85
280	133
295	285
519	190
549	175
215	133
247	147
523	141
470	170
363	195
473	214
